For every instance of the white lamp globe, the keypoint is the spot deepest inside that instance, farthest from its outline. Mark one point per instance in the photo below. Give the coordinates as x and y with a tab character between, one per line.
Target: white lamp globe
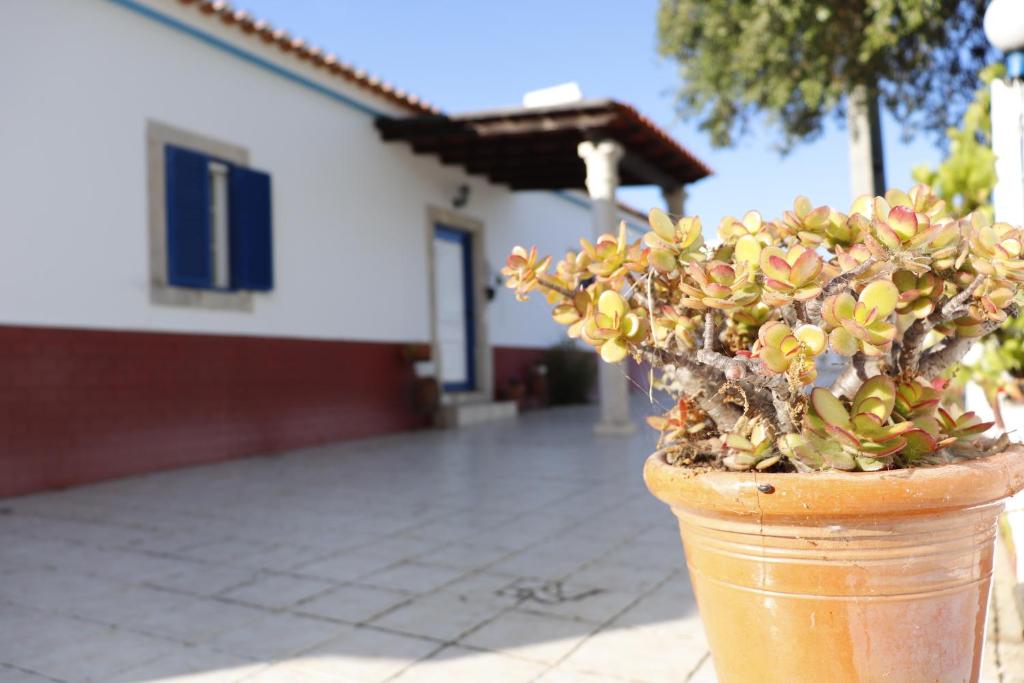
1004	25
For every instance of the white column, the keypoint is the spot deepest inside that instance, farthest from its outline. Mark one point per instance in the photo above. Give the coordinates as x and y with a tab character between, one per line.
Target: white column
602	162
1008	202
675	200
1007	131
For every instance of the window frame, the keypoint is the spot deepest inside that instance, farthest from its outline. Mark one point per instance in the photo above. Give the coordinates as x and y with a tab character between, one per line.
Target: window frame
161	291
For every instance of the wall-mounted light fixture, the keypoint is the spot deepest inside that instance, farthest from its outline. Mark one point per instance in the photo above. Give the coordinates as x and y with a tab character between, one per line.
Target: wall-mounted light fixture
461	197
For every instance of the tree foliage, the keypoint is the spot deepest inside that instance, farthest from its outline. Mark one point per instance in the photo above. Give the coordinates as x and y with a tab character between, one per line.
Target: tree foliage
966	177
795	60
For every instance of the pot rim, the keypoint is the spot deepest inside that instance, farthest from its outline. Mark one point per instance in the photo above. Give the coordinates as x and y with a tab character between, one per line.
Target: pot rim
965	484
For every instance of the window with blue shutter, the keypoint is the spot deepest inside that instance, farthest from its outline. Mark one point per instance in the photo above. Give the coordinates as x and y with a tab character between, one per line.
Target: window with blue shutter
252	263
219	225
189	262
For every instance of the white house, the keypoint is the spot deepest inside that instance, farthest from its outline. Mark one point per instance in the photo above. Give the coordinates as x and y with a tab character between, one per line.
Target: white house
218	240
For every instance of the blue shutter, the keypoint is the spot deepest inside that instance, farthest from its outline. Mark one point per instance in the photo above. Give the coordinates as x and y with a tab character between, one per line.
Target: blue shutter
188	218
252	253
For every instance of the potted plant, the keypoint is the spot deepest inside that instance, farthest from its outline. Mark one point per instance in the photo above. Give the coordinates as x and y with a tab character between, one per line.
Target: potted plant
839	533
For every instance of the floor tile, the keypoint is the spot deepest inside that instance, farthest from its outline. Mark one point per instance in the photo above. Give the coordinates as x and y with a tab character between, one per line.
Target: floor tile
660	653
347	566
413	577
467	556
206	579
536	637
365	655
276	636
11	675
571	600
441	616
460	665
190	665
352	603
559	675
277	590
99	657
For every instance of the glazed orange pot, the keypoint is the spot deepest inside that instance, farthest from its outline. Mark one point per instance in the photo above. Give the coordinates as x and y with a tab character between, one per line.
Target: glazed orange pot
833	577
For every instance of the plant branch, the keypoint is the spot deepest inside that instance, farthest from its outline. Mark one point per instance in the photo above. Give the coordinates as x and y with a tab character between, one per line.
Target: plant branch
749	372
698	382
564	291
834	286
912	345
936	361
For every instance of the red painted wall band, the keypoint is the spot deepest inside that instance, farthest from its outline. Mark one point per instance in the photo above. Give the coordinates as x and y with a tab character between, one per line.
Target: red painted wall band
79	406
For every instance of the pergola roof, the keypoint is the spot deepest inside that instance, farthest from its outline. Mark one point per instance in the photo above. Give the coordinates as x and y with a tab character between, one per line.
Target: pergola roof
535	148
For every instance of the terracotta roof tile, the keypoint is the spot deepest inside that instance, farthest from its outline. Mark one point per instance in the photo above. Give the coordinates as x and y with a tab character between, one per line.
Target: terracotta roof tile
315	55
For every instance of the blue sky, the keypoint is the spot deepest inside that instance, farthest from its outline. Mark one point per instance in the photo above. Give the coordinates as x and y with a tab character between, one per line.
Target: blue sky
467	54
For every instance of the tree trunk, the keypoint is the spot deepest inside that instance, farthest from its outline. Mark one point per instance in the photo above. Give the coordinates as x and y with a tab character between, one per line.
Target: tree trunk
864	128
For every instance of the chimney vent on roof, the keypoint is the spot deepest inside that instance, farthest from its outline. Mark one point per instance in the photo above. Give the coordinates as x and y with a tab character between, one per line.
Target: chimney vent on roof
553	96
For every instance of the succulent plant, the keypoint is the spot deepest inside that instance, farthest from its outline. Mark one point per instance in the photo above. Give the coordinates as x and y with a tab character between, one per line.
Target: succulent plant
746	237
612	256
918	294
671	324
684	420
863	436
964	427
914	399
996	250
718	285
750	445
814	227
784	350
522	270
862	324
790	275
738	330
613	326
671	243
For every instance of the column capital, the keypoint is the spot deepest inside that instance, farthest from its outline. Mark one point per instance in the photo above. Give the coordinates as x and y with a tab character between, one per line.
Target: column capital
602	162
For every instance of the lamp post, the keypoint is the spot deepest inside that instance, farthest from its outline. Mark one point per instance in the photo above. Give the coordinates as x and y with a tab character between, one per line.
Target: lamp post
1004	28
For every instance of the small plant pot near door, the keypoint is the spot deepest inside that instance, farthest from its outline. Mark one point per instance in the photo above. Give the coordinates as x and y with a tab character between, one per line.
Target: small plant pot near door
841	577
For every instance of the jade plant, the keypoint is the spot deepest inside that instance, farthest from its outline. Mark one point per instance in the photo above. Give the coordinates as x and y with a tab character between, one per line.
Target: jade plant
738	332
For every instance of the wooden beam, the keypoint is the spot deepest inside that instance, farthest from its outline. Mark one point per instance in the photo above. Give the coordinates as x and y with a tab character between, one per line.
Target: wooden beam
652	174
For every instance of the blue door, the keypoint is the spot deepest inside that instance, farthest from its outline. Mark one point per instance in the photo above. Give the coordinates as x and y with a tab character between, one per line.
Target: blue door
454	304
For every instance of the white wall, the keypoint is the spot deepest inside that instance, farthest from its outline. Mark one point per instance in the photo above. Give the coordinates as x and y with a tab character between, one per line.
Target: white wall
80	80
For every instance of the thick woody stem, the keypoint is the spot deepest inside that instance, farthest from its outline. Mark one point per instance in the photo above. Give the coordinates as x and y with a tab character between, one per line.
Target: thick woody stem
782	413
800	309
957	306
935	362
734	369
698	382
909	357
724	414
749	373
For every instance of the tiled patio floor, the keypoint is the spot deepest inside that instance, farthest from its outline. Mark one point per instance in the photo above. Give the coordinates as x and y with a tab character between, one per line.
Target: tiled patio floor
522	551
519	551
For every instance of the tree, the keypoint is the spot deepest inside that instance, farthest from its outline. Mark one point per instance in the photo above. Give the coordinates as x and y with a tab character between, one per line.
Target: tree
966	177
798	61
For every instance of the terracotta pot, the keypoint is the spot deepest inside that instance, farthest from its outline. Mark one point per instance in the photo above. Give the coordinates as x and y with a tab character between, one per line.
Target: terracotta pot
842	577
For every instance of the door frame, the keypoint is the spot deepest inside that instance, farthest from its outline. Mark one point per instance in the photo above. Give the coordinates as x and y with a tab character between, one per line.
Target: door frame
480	354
